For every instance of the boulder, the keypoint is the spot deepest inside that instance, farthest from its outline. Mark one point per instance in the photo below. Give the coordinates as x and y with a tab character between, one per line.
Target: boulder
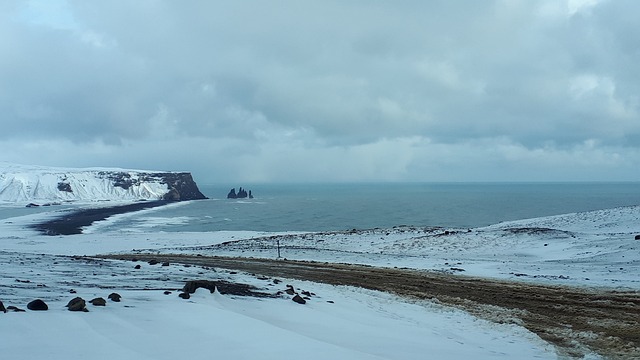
299	299
77	304
184	295
37	305
2	308
191	286
290	291
98	302
114	297
14	309
637	237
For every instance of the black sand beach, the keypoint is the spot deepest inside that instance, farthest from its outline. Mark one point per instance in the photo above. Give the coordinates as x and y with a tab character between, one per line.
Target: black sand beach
73	222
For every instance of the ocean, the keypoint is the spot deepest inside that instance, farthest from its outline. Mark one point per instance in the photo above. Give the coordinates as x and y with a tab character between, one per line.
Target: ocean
335	207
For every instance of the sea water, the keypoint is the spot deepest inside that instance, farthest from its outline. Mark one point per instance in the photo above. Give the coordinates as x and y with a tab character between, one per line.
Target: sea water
334	207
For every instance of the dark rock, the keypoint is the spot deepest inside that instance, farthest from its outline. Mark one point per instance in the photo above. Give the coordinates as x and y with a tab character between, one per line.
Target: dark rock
165	264
225	288
64	186
14	309
184	295
2	308
191	286
37	305
305	293
330	301
77	304
276	281
30	205
290	291
137	267
299	299
72	291
153	262
98	302
637	237
167	292
241	194
114	297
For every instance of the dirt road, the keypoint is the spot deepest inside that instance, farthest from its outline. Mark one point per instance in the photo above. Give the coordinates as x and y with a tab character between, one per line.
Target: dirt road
575	320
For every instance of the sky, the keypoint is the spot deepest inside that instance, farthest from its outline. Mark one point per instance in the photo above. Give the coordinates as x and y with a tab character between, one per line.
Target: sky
325	91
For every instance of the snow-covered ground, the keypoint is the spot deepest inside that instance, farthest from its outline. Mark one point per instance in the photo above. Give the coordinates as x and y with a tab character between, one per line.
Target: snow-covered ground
586	249
28	183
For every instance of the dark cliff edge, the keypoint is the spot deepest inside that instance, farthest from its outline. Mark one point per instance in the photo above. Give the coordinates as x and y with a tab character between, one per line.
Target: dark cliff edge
180	185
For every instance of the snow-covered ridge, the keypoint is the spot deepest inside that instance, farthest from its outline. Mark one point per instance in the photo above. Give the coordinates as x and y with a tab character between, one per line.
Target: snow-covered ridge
19	184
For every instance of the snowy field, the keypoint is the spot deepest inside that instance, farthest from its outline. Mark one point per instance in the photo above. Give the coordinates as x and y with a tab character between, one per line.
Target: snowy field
586	249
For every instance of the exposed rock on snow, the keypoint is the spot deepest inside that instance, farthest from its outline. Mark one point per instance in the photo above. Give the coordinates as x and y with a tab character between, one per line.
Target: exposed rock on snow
37	305
77	304
299	299
98	302
20	183
115	297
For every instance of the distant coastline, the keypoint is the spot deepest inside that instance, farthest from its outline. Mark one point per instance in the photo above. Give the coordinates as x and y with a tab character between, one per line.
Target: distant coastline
72	222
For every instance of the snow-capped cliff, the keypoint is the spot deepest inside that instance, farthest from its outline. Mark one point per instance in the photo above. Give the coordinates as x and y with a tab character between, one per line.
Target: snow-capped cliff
20	183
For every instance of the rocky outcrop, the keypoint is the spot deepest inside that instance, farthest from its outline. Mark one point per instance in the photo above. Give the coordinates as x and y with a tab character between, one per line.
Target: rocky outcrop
241	194
180	185
19	183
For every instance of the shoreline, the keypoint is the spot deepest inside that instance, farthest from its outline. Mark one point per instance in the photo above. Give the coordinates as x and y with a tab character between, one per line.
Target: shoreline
71	223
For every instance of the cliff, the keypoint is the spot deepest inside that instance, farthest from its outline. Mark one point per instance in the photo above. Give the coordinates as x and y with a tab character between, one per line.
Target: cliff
20	183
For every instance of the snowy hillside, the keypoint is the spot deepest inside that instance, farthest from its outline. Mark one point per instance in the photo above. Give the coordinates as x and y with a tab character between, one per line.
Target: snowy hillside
21	184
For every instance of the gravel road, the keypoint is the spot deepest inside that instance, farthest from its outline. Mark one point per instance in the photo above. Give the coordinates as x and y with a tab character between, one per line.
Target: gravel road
575	320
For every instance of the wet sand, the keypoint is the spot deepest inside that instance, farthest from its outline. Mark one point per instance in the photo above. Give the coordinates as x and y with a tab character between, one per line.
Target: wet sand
72	222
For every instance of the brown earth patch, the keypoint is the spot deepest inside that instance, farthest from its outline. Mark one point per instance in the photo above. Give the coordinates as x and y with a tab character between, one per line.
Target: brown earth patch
575	320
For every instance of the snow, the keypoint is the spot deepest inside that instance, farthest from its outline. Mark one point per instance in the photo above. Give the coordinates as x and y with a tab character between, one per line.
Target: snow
22	184
584	249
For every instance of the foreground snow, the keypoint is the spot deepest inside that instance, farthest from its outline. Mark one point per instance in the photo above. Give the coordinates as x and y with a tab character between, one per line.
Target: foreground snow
587	249
356	324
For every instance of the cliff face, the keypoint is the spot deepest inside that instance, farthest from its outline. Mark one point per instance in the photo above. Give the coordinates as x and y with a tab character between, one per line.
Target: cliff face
27	183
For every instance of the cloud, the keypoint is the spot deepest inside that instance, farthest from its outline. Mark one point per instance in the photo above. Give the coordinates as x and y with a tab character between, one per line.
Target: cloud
325	90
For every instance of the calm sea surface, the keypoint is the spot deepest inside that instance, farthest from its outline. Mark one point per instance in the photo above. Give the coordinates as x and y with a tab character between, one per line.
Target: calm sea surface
362	206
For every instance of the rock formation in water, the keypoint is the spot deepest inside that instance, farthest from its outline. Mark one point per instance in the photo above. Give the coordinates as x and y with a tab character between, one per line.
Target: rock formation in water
241	194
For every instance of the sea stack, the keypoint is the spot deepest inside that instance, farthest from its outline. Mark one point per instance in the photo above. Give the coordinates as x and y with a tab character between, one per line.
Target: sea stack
241	194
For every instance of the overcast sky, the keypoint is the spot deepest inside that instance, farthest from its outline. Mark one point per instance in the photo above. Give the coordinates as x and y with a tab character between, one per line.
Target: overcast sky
273	91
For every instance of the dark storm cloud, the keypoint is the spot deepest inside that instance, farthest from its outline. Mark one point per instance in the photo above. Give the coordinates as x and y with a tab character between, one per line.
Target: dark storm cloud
543	82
